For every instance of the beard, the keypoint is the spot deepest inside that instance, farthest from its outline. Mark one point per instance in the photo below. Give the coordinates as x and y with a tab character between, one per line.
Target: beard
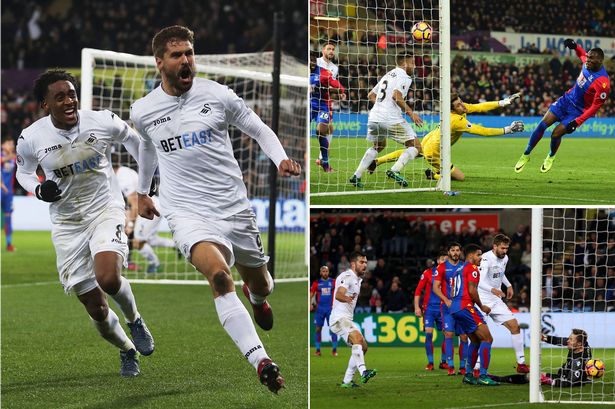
182	79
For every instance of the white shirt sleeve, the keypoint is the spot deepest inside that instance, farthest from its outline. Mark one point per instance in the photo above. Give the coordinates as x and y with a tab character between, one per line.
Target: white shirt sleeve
248	122
484	283
505	281
147	158
122	132
26	166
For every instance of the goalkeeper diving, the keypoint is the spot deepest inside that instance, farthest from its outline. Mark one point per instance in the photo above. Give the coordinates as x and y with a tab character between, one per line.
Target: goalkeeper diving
459	125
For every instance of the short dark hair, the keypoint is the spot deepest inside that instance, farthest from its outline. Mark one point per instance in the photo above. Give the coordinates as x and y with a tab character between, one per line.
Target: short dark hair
442	254
454	97
598	51
171	33
451	245
354	256
329	42
501	238
471	249
404	55
581	336
42	83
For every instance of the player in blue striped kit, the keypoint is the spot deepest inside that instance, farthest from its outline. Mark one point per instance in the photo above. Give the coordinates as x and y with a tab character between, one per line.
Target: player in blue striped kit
323	289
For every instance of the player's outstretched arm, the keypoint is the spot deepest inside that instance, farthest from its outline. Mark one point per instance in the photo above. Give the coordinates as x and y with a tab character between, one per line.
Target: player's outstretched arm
508	101
47	191
578	49
289	167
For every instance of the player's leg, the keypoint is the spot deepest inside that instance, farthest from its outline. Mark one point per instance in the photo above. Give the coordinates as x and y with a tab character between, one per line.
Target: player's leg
359	349
429	347
318	339
556	140
323	130
7	220
449	328
404	134
108	245
210	260
463	353
107	324
484	350
549	119
107	269
378	140
517	340
472	357
333	335
389	157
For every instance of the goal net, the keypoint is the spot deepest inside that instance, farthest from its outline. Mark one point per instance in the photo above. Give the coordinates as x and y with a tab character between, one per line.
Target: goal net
573	289
367	40
111	80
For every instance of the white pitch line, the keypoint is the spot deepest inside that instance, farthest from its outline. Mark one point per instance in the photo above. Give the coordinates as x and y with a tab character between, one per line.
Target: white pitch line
143	281
488	405
29	284
537	196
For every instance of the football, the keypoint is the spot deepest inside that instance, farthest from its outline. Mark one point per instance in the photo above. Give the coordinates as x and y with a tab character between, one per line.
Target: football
421	32
594	368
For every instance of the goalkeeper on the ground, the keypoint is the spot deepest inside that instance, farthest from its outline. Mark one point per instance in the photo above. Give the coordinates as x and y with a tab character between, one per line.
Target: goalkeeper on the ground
572	372
459	124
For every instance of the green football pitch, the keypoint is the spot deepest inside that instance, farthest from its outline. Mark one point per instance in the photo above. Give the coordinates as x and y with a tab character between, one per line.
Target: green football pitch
402	382
53	358
582	174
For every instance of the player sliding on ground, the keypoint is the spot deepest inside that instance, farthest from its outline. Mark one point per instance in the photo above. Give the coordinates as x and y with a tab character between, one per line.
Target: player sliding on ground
576	106
347	287
444	273
386	120
430	312
492	275
459	125
184	125
72	147
579	352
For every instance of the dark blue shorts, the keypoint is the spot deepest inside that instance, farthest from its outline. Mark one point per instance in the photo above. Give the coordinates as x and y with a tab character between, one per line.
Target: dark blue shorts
467	320
7	203
431	317
565	110
447	320
321	117
321	316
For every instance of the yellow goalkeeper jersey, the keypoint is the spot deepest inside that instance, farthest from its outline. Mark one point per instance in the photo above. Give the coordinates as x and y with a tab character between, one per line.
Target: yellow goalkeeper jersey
459	125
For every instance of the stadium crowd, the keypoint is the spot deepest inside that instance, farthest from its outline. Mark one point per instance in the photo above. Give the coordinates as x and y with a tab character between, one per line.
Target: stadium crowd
42	34
590	17
399	248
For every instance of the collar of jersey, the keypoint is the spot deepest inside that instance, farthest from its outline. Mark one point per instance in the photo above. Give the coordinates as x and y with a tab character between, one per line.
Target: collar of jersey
67	132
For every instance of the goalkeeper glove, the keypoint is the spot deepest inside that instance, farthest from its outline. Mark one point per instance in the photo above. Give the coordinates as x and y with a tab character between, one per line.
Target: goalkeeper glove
572	126
570	43
515	126
48	191
509	100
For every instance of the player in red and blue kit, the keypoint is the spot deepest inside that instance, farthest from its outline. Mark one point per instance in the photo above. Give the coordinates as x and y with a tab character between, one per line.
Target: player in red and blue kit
8	181
323	289
430	312
321	83
444	272
576	106
462	298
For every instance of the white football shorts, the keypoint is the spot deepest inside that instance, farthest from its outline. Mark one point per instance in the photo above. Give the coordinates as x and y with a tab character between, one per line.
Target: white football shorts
146	229
77	244
500	313
400	132
237	234
344	327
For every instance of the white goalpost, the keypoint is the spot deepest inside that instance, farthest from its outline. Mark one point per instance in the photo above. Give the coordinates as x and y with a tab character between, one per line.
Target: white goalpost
367	39
573	287
112	80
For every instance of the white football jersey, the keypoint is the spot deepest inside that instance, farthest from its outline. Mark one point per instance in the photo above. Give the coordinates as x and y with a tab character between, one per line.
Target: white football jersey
77	160
330	66
352	283
198	172
127	179
385	109
492	271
